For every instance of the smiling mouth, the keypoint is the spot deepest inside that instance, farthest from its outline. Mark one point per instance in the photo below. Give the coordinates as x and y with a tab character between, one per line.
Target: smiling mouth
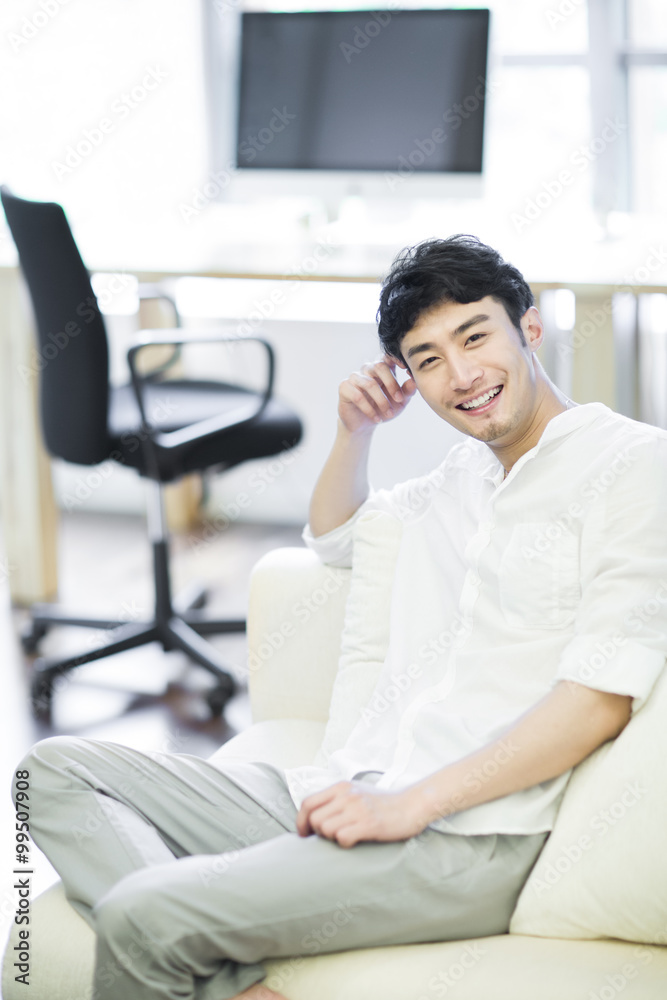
480	402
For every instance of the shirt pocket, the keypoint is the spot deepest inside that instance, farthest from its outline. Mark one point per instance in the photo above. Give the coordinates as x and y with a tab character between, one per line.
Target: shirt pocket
539	576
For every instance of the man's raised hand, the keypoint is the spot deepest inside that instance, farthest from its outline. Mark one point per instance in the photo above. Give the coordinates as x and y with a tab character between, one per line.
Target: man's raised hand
372	395
365	399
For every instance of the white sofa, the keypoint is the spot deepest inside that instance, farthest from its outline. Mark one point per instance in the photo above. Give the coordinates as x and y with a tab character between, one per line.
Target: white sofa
555	949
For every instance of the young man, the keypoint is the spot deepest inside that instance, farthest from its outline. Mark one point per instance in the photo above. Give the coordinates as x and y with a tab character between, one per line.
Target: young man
528	577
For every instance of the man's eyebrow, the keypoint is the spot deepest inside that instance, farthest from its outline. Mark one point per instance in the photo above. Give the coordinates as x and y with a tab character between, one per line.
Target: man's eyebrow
430	346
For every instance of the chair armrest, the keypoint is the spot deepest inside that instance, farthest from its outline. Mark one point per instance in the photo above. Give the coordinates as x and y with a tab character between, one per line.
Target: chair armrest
202	429
295	619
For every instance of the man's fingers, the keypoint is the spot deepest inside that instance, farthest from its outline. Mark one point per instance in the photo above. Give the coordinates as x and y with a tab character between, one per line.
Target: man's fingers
348	836
304	819
383	372
325	819
303	827
367	395
379	383
409	387
326	812
355	395
373	395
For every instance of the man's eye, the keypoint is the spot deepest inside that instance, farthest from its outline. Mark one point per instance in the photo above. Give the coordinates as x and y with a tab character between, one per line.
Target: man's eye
427	361
473	335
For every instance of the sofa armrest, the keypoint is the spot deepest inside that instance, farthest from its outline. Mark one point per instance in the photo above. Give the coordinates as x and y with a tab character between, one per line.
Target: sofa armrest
295	619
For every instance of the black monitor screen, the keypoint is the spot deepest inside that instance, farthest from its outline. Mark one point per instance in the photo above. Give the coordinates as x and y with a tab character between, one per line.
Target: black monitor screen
363	90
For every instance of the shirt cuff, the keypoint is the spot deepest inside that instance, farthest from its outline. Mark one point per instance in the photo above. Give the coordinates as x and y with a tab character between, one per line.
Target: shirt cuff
335	547
612	663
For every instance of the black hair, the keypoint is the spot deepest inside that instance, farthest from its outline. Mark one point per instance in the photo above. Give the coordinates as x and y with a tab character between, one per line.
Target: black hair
458	269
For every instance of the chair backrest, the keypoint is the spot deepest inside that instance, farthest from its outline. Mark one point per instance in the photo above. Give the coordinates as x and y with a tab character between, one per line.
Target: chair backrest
73	358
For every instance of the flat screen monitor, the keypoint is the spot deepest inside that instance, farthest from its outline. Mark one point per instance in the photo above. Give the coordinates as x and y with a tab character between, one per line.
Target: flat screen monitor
362	90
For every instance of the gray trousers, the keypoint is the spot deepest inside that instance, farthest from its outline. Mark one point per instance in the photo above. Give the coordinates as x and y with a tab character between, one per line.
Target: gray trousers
192	872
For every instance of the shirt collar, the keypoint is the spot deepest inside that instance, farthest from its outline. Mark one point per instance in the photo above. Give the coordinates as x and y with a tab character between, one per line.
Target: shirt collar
563	424
560	426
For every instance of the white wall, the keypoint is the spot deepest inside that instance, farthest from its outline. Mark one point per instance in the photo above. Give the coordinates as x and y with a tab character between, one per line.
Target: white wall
67	69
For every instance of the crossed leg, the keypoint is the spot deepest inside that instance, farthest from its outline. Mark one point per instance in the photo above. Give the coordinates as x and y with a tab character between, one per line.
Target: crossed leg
192	874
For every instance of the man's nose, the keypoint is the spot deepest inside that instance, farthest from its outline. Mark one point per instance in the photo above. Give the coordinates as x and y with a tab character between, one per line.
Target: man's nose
464	373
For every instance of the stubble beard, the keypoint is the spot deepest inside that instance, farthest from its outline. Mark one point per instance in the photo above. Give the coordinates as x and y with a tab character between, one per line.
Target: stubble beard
495	429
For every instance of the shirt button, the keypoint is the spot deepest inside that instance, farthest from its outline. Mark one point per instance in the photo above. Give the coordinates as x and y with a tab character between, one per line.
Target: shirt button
475	579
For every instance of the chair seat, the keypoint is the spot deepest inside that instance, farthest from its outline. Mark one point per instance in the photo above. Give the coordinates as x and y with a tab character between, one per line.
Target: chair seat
171	405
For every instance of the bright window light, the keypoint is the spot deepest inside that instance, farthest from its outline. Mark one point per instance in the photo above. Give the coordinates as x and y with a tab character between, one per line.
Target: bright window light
117	294
564	308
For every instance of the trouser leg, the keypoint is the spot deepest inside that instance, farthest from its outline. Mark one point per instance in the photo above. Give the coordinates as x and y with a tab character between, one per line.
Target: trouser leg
197	875
196	929
100	811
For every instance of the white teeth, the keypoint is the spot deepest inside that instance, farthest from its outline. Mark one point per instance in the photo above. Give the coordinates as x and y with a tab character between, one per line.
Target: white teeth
481	399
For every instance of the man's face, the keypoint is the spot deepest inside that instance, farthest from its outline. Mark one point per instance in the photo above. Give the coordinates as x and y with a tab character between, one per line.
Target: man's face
459	352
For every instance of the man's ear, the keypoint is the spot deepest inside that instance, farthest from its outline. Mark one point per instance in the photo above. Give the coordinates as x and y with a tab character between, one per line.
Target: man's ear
532	328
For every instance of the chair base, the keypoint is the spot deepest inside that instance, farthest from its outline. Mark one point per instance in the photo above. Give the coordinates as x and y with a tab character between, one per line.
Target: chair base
177	624
182	628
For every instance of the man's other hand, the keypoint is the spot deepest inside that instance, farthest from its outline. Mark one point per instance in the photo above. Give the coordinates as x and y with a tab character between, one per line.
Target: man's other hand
351	811
373	395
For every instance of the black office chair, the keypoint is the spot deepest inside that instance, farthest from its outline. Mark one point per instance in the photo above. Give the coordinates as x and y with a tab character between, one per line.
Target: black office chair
85	420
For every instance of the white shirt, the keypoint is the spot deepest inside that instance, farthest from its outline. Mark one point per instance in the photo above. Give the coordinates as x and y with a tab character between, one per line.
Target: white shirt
503	587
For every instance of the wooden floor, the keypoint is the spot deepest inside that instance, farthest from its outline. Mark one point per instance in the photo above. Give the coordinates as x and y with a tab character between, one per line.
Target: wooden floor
143	698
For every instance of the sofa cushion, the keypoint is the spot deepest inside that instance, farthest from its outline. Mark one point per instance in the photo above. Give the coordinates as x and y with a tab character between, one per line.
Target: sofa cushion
295	618
365	639
282	742
603	871
502	967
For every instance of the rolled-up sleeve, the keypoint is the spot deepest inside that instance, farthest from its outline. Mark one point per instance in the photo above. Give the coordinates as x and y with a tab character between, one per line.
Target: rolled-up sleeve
620	639
402	501
335	547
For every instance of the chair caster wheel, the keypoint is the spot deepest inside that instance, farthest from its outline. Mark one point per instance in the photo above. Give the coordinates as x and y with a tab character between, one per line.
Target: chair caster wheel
31	636
218	696
41	694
